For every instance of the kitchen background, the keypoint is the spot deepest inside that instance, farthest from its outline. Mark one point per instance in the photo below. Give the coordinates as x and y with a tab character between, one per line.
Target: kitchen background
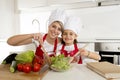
100	21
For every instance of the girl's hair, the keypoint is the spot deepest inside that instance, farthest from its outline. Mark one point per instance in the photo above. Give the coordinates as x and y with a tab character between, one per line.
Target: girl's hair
75	41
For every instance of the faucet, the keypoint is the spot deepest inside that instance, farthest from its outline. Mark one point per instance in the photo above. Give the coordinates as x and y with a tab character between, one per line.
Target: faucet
35	20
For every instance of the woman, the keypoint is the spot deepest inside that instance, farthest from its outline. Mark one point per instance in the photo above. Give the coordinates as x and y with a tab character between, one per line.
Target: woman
49	41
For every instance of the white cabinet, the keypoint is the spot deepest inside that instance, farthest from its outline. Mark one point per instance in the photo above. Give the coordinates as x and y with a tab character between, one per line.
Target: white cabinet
45	3
65	1
30	3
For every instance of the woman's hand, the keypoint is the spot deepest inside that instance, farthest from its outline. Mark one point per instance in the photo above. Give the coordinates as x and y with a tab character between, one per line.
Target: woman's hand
38	37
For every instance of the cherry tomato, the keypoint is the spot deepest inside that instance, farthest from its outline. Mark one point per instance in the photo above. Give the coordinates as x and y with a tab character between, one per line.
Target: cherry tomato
27	68
36	67
20	67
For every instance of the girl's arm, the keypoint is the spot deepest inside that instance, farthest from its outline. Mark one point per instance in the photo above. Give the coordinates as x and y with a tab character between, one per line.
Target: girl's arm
89	54
23	39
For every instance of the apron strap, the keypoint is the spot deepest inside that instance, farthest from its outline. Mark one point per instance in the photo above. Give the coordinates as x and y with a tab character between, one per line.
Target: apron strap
55	45
75	46
62	47
80	60
44	37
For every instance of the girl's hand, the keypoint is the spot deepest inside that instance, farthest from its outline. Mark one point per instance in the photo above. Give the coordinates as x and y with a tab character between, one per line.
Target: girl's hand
75	59
38	36
83	52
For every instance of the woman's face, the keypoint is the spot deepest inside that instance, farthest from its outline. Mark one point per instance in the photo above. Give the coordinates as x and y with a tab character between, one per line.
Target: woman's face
68	37
54	30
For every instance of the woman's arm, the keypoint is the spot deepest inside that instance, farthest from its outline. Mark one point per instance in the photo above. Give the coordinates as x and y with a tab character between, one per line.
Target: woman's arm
24	39
20	39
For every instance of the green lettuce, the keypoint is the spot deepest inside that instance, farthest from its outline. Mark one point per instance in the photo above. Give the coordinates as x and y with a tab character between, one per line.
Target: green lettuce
60	62
26	56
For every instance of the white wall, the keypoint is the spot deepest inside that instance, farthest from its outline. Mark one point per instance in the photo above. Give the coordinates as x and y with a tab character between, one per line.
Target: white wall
99	22
7	17
8	22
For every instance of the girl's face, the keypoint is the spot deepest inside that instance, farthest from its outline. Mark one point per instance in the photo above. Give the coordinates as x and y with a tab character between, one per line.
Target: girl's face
54	30
68	37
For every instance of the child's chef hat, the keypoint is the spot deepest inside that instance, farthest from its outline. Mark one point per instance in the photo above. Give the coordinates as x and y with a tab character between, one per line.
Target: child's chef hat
57	15
73	23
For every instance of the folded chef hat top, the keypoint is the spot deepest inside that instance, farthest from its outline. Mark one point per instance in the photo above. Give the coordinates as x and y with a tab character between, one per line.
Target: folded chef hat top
57	15
73	23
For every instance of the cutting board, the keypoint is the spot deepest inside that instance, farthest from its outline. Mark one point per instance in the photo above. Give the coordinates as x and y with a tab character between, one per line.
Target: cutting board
106	69
5	74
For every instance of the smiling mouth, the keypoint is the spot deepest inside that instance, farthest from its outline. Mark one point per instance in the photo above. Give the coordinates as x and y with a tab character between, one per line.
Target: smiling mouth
67	39
54	35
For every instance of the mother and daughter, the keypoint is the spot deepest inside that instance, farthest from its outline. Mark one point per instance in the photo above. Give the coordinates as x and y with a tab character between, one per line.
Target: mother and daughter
67	44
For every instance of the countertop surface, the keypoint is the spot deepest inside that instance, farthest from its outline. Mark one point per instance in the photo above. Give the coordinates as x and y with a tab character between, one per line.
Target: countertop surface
77	72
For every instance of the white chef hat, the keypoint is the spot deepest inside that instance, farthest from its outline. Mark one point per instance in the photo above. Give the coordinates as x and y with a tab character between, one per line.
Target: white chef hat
73	23
57	15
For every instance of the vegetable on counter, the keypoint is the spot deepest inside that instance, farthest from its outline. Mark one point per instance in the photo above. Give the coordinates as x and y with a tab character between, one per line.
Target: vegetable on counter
13	66
9	58
20	67
27	67
26	56
36	67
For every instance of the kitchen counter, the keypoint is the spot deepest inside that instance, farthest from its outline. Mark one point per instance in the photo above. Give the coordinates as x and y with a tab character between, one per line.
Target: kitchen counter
5	74
77	72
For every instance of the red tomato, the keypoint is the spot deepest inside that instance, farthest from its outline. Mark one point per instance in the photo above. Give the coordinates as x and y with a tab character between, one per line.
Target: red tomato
36	67
20	67
27	68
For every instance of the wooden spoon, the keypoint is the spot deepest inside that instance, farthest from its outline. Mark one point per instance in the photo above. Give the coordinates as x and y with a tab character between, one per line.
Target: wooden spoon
46	56
71	58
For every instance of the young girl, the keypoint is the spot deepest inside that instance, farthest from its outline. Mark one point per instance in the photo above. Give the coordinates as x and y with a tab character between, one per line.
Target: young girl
70	46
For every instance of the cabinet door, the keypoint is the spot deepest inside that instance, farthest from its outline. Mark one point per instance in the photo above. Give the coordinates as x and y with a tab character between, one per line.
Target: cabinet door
66	1
30	3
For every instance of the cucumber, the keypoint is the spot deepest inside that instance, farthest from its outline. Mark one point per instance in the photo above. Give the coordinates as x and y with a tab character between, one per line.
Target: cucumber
9	58
13	66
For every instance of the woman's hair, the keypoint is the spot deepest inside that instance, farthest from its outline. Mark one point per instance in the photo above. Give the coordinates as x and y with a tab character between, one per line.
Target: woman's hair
61	24
75	41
